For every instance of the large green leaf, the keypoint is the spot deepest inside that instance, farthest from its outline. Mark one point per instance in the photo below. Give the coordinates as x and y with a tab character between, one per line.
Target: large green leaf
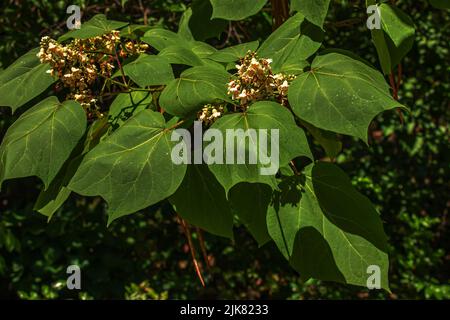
328	140
160	38
261	115
183	29
41	140
397	25
395	38
51	199
149	70
236	9
195	87
399	32
250	202
201	201
201	23
127	104
181	55
176	46
132	168
234	53
97	26
24	80
291	44
314	10
340	94
326	229
280	40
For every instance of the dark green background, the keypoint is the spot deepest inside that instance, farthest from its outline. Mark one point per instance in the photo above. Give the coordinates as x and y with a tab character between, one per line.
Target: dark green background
404	172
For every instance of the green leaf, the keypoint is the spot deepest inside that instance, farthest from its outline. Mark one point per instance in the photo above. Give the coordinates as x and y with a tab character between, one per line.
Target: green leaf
397	25
236	9
134	31
183	30
291	44
127	104
149	70
160	39
97	26
196	87
181	55
201	24
41	140
261	115
50	200
340	94
201	201
321	235
328	140
24	80
234	53
396	37
399	32
250	202
282	39
132	168
314	10
379	40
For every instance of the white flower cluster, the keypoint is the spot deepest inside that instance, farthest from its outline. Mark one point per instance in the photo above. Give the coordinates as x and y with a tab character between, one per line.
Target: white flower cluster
79	63
255	81
210	113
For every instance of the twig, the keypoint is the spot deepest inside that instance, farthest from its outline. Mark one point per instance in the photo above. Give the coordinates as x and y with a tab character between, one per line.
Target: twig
393	85
121	69
203	247
191	248
395	94
399	75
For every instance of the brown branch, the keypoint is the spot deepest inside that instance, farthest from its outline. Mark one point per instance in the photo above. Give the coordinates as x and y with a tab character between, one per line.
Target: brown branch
121	68
187	232
394	86
280	12
203	247
399	75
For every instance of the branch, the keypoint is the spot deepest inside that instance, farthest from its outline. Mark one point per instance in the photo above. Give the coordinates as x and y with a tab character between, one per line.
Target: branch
191	248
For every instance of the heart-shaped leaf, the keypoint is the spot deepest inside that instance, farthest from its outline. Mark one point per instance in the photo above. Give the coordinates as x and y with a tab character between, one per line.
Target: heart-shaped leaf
24	80
195	87
323	236
340	94
131	169
41	140
263	115
201	201
236	9
149	70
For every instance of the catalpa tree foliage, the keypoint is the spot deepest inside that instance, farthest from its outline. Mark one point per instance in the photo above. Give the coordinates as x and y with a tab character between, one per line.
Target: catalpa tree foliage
98	106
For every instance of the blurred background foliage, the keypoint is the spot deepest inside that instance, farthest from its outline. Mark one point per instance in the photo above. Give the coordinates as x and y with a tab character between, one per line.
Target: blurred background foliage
405	172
